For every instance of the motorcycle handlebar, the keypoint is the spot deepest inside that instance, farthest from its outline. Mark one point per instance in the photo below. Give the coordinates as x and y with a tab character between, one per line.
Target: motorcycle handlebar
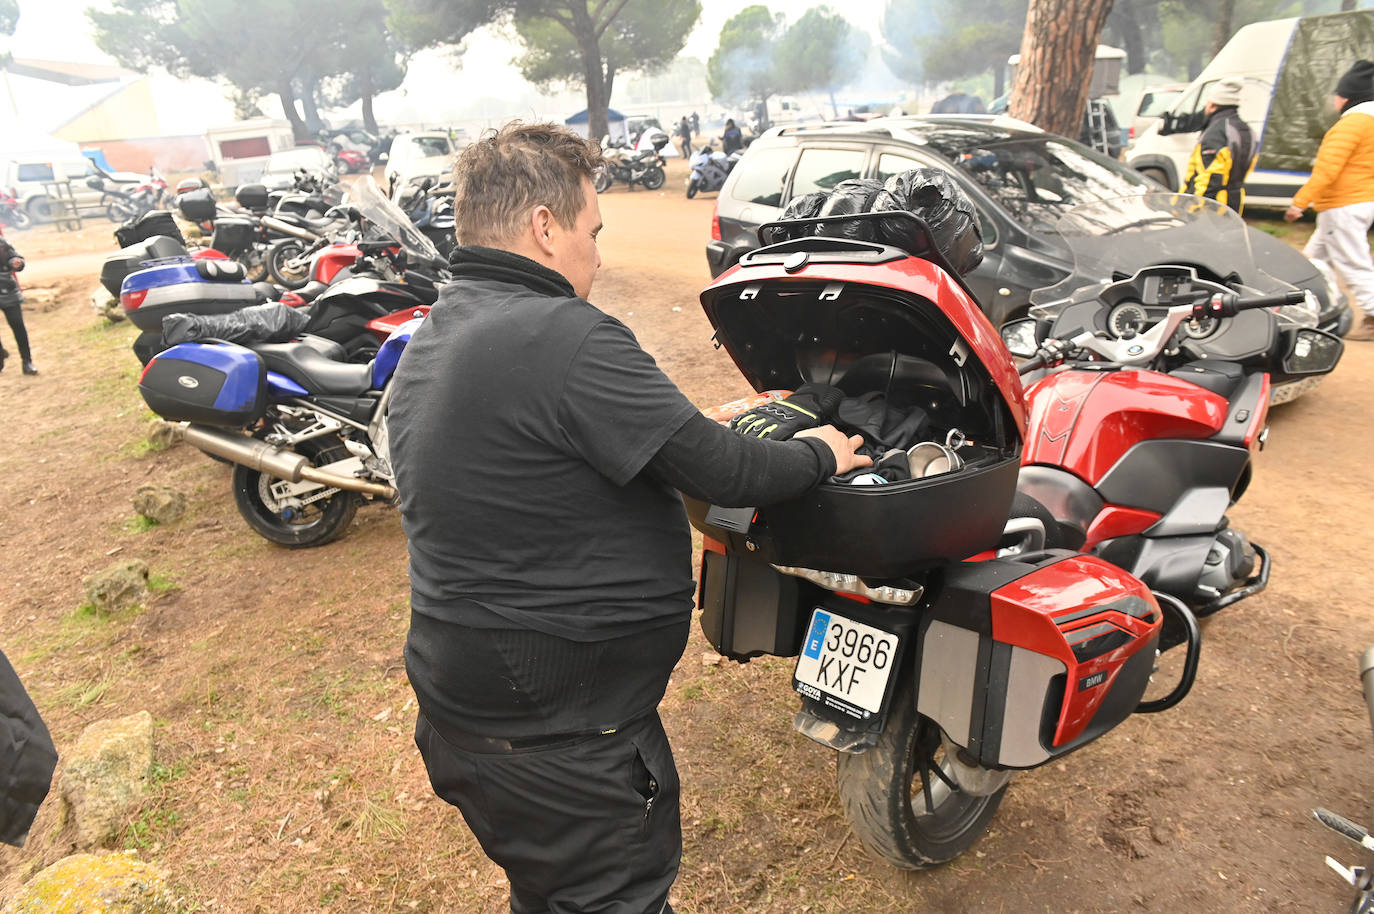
1230	304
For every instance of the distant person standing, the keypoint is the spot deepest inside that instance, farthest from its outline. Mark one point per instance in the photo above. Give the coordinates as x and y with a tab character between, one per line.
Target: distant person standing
1225	152
684	135
731	139
1341	190
11	302
696	123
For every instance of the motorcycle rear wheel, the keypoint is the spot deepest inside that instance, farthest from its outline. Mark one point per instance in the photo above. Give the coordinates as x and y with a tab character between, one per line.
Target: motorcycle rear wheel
653	178
279	255
901	799
18	218
119	211
317	523
692	187
602	182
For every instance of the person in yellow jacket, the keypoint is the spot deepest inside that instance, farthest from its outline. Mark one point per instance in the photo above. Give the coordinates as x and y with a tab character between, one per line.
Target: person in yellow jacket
1225	152
1341	190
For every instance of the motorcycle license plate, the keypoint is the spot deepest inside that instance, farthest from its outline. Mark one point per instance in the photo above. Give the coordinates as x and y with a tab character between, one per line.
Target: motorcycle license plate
845	664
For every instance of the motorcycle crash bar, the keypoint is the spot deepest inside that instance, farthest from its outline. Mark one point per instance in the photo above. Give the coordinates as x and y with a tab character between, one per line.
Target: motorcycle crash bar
265	458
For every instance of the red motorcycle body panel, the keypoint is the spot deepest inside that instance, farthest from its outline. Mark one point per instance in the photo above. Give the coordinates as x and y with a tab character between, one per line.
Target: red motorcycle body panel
329	261
1076	611
1083	421
383	327
1115	520
912	275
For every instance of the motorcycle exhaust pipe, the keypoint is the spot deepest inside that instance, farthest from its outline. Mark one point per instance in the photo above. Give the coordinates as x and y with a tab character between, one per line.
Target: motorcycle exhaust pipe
263	457
287	228
1367	677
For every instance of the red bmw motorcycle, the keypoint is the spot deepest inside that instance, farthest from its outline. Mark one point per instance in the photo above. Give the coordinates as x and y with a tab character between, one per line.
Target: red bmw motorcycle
1143	433
947	631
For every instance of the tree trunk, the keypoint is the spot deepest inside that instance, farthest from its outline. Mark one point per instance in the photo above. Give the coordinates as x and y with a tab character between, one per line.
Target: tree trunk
1123	20
288	106
999	78
308	106
583	30
1225	12
369	120
1347	5
1056	69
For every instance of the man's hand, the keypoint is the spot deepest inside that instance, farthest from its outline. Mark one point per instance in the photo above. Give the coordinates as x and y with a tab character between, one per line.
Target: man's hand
841	445
1292	214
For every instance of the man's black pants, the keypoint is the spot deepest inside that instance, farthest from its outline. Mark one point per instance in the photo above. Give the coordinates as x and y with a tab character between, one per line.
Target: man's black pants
583	825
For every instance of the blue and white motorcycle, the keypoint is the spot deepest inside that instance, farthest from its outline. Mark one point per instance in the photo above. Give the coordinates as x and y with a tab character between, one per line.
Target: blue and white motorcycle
709	169
305	429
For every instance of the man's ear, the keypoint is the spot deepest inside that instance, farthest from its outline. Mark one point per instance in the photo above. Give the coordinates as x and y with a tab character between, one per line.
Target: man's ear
544	227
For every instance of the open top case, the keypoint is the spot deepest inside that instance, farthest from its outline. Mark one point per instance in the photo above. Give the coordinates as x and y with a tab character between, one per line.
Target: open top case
867	317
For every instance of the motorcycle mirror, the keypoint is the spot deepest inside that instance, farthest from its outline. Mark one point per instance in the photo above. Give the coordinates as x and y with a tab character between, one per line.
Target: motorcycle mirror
1020	337
1313	352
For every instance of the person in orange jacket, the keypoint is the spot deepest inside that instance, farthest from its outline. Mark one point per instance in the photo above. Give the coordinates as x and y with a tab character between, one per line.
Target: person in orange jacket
1341	190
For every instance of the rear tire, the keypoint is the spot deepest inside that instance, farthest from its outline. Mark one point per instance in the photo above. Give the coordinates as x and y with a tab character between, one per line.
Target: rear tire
295	528
692	187
653	178
885	790
19	219
279	254
1156	175
42	209
602	182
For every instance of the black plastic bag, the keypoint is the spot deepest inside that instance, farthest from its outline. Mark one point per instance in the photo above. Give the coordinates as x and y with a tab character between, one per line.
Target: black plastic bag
807	206
272	322
149	225
847	198
931	194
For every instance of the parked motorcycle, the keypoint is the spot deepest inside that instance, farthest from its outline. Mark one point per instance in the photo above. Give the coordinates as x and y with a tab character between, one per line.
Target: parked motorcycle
121	203
306	432
11	213
623	164
709	169
949	630
1143	433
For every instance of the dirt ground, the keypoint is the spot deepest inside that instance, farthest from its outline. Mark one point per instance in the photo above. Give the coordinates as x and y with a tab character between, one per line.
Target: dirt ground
285	778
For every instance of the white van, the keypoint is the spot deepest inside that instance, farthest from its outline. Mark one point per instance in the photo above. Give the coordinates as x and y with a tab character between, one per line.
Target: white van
1288	68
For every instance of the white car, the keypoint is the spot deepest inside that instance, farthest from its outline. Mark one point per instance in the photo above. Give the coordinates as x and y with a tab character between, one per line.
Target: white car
415	156
282	166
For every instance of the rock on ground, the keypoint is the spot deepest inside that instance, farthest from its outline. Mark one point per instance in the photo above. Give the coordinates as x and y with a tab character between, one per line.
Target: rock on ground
104	778
160	503
118	586
87	883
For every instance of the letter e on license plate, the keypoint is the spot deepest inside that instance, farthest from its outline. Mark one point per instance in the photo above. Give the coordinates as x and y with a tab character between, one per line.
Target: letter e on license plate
847	661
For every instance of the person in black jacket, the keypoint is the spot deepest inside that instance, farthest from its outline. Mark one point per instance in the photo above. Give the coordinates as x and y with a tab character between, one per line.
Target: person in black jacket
540	453
11	302
27	758
1225	152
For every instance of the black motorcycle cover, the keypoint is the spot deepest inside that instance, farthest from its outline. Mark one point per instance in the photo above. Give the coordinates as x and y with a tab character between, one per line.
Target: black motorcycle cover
272	322
149	225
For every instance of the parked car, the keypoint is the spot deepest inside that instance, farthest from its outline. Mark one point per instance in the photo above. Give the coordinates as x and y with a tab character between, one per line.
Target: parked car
415	156
1020	179
30	179
281	169
1153	102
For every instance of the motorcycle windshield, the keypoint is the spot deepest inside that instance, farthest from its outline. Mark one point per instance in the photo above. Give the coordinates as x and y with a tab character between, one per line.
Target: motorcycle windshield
1111	239
389	221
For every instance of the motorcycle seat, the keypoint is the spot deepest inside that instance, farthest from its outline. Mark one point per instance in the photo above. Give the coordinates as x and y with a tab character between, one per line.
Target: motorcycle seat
316	372
311	290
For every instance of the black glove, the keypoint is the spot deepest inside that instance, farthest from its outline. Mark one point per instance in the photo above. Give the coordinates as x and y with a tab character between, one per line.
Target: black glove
810	406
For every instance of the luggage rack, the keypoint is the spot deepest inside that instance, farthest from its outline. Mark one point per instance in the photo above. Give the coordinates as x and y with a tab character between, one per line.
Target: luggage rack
778	239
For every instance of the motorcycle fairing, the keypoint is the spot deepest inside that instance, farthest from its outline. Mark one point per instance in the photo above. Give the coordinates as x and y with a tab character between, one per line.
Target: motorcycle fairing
1023	660
1084	421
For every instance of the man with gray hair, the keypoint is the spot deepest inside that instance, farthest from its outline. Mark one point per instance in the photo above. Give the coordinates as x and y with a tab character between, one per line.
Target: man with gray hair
539	452
1225	152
